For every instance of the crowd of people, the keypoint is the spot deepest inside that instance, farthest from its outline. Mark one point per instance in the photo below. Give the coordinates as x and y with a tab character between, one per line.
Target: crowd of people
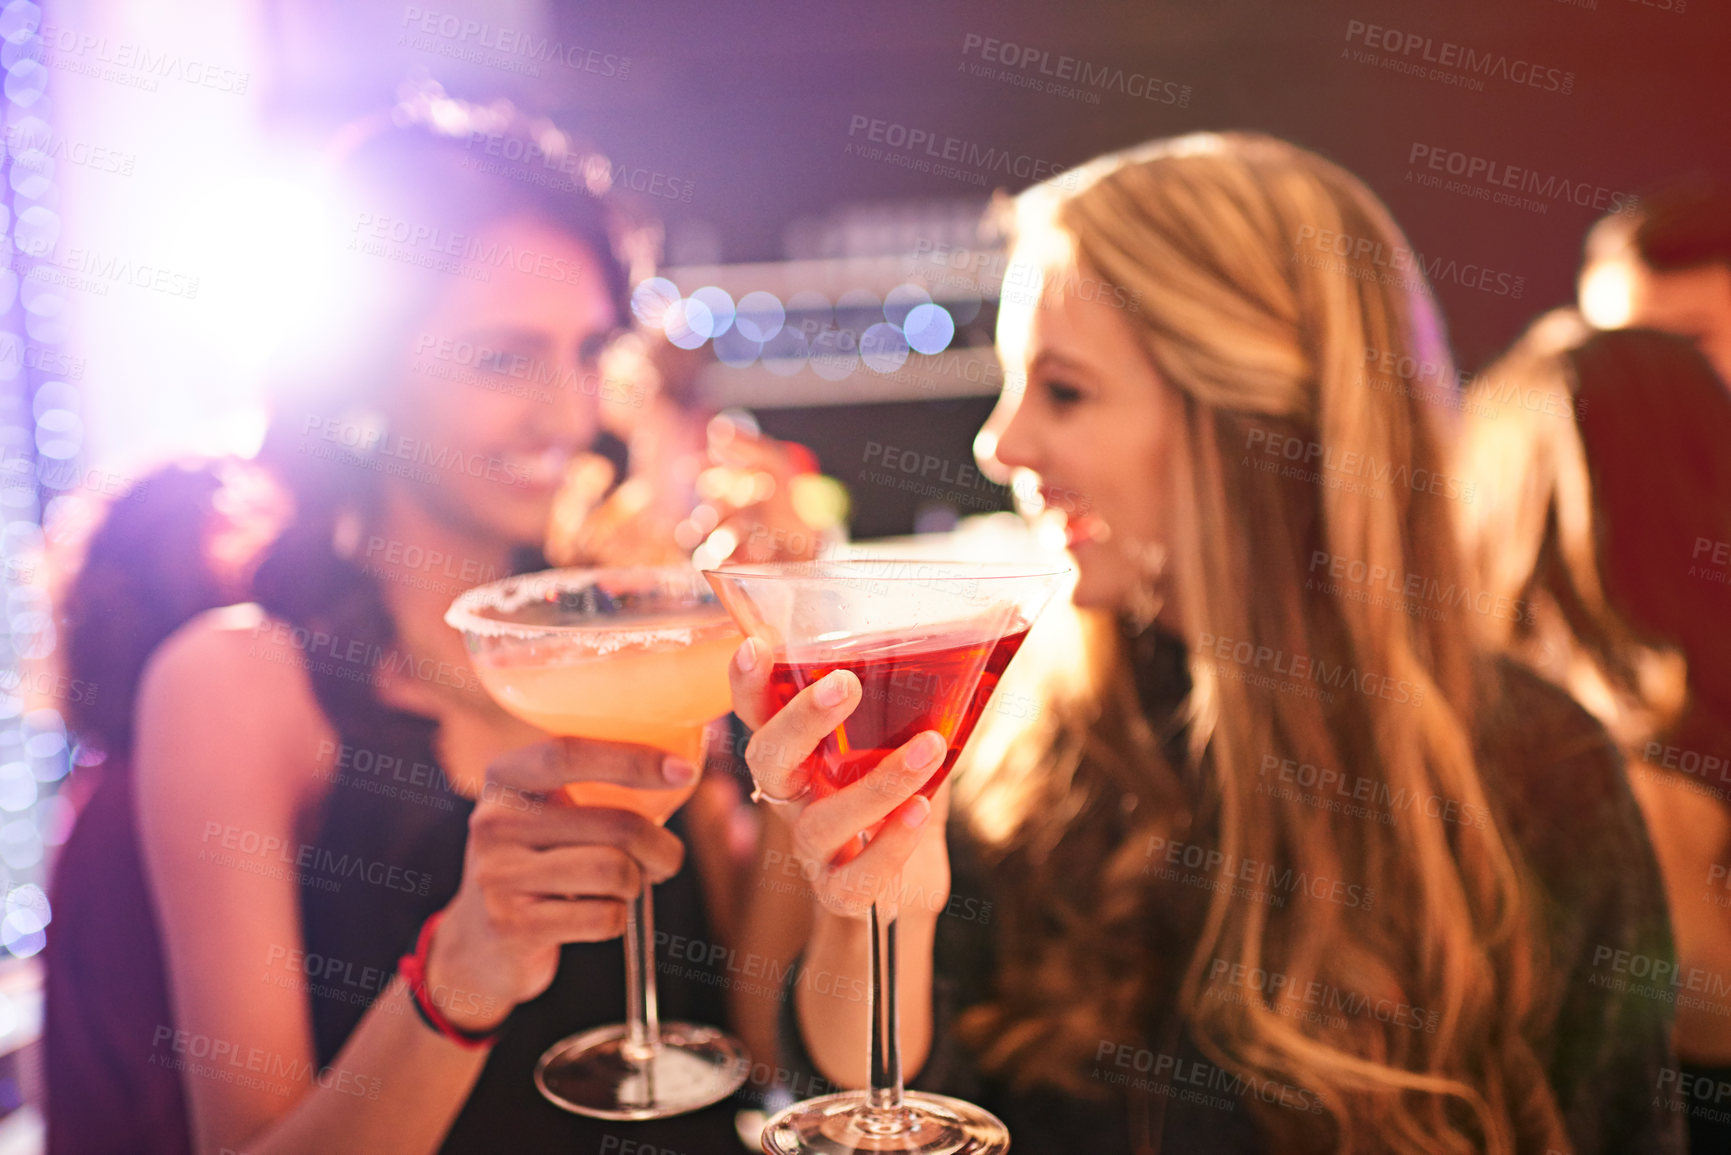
1377	794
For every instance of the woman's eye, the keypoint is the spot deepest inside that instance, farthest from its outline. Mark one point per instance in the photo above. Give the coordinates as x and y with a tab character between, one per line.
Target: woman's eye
1062	395
494	362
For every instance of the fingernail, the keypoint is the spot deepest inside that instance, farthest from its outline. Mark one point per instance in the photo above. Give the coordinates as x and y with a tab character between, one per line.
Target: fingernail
916	812
747	656
833	688
926	750
678	771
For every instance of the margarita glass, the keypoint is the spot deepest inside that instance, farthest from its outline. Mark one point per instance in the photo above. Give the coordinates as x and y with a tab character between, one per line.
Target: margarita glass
617	655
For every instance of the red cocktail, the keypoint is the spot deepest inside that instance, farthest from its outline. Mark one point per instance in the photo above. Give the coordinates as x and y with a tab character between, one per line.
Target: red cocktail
928	642
908	684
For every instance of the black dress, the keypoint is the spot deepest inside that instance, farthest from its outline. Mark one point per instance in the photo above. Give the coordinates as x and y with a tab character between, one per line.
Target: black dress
1559	783
386	852
400	811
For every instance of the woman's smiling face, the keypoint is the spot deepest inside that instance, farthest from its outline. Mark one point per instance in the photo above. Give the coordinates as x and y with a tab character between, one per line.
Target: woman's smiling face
514	418
1084	411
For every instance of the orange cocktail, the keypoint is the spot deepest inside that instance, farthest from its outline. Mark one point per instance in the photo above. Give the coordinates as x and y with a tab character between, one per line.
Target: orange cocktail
636	655
661	694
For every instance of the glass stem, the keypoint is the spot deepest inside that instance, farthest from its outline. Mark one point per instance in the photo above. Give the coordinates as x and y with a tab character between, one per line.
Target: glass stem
884	1110
642	1015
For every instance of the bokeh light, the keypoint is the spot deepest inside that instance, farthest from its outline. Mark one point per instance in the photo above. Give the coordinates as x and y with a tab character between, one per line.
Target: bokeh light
688	323
929	329
900	301
733	348
760	316
720	307
651	299
1608	294
883	348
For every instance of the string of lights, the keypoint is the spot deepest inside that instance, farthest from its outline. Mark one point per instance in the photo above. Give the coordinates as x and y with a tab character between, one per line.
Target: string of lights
41	444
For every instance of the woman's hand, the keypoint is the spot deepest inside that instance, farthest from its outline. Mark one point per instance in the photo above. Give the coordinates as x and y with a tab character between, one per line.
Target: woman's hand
539	873
904	843
749	490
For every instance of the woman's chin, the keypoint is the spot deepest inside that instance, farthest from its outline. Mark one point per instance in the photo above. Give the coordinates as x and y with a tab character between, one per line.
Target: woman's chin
1096	591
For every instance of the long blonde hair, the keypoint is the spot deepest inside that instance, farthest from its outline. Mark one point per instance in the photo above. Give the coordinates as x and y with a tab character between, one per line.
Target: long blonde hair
1273	292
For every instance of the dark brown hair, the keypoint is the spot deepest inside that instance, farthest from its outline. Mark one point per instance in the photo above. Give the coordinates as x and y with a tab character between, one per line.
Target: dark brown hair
149	567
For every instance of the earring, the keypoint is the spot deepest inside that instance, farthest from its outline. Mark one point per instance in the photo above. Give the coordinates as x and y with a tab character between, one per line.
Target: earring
1146	598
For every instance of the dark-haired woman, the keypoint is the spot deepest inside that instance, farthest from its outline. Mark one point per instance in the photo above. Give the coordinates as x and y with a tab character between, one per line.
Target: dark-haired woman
315	773
1603	520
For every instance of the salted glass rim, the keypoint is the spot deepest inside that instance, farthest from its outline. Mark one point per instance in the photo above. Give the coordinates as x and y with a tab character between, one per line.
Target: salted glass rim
506	594
909	569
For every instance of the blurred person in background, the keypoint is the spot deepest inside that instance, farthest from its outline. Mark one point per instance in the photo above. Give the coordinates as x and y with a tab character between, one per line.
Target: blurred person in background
702	485
1666	265
1190	949
293	784
1603	518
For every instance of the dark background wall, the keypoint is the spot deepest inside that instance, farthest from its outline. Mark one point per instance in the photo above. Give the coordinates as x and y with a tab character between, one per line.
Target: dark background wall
749	107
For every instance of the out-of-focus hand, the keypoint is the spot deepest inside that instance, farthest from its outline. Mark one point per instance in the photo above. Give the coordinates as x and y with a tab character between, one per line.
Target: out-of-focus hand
750	490
751	495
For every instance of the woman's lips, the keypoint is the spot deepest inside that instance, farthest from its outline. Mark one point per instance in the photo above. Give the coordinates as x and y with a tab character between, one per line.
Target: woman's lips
1084	529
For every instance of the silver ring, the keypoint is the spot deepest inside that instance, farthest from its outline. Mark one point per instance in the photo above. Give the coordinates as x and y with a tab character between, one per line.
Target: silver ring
758	794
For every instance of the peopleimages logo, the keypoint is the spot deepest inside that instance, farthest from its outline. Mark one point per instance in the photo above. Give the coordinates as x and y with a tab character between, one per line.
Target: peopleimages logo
307	862
1416	54
940	154
1188	1081
127	62
1366	258
1322	995
33	146
1514	185
511	49
1038	69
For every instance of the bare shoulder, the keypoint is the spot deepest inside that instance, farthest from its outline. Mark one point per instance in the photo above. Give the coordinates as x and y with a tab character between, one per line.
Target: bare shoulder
228	650
233	678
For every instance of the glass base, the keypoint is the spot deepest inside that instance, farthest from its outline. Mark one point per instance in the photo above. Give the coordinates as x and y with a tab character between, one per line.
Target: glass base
844	1125
594	1074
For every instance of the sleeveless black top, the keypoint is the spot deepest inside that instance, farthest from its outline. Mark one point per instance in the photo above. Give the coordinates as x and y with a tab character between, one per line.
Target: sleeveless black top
388	852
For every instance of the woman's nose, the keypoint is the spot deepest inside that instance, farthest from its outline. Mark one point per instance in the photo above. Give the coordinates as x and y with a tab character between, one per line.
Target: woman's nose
1006	443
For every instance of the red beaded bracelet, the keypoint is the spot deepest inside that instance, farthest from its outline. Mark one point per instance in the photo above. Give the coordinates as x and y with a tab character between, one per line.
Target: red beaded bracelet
413	968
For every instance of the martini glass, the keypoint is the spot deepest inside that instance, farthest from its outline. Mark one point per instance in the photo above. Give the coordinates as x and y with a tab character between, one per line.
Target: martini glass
618	655
928	642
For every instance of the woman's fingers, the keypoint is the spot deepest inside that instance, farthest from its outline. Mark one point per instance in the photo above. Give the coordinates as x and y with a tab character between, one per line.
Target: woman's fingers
574	920
748	678
581	872
850	890
657	851
786	738
545	767
828	825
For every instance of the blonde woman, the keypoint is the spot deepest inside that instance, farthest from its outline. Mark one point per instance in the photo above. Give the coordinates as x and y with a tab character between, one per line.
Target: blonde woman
1607	515
1286	863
